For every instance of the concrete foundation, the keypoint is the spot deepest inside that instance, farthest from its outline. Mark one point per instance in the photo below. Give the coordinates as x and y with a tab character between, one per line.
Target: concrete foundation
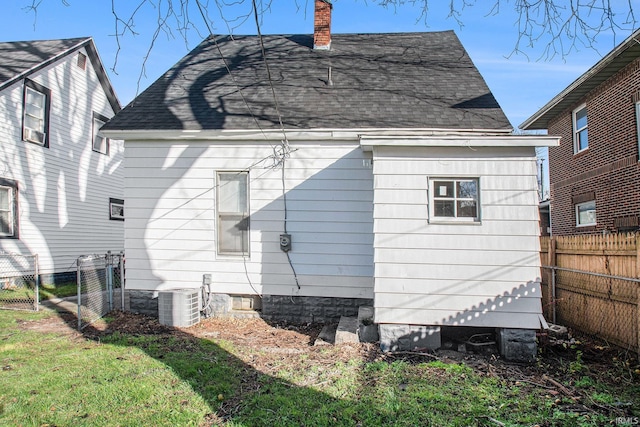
310	309
297	310
143	302
518	345
409	337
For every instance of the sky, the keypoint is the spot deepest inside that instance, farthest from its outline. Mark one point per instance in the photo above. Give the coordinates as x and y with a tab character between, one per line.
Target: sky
522	83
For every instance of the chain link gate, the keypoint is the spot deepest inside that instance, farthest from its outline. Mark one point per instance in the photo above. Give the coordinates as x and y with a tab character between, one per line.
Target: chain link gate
19	282
100	286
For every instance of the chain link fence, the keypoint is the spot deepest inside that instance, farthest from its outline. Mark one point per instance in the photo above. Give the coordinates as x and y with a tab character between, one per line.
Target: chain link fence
100	286
19	284
597	304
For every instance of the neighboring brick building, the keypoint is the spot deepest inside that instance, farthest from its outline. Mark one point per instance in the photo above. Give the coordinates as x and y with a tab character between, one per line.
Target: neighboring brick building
594	173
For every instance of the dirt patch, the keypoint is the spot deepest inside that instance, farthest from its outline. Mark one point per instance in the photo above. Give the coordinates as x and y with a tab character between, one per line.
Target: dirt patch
268	348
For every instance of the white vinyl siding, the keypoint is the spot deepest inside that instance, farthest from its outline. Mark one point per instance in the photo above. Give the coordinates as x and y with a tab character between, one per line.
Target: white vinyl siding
451	273
171	218
64	190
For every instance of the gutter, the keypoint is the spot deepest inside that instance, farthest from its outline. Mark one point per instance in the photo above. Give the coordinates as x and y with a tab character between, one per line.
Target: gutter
296	134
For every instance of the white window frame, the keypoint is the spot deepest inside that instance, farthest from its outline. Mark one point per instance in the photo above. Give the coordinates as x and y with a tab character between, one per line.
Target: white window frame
578	131
99	143
595	216
436	194
116	209
11	210
638	127
31	134
243	223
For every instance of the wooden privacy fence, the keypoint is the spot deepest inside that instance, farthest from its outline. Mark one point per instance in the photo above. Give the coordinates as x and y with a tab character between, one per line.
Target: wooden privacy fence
591	283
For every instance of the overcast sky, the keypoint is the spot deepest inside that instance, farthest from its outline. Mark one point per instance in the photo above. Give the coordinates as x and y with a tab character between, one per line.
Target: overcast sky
522	83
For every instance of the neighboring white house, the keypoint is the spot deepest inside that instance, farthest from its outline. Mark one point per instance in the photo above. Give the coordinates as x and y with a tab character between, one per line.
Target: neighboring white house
385	174
61	180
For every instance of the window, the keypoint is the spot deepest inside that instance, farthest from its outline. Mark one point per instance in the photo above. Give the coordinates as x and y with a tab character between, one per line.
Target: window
35	120
586	213
580	134
8	209
454	199
638	125
116	209
100	143
232	193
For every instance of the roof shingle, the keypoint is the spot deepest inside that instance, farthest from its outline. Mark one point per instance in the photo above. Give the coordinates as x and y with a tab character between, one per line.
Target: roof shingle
381	81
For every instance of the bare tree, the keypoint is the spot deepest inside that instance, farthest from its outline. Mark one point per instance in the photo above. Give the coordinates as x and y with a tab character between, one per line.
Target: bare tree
554	27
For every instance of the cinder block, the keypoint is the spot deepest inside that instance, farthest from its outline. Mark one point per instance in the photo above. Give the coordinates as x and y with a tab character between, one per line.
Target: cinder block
558	332
518	345
409	337
347	331
367	329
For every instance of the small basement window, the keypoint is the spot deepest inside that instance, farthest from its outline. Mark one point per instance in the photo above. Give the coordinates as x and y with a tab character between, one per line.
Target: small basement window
246	302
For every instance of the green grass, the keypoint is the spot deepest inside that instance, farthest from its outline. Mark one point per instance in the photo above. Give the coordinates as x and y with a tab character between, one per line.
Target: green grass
47	291
62	290
53	379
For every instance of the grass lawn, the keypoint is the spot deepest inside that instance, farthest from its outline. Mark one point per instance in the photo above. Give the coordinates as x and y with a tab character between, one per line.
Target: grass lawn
130	371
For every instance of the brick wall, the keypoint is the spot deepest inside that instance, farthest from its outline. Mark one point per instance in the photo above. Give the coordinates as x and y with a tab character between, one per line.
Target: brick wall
609	168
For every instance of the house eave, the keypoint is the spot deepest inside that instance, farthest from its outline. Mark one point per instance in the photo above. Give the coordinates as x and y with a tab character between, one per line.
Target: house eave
614	61
294	134
368	142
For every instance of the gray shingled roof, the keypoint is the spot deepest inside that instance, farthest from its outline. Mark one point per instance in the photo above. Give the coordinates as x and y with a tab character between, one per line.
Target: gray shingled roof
407	80
19	59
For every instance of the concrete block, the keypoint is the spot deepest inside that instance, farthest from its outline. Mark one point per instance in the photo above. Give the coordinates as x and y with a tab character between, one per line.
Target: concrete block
367	329
518	345
347	331
327	335
368	333
558	332
409	337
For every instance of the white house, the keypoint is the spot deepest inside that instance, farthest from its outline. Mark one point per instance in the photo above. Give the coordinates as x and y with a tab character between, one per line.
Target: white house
357	169
61	180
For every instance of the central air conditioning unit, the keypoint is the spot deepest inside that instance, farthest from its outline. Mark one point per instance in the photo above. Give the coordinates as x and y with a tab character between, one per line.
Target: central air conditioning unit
179	307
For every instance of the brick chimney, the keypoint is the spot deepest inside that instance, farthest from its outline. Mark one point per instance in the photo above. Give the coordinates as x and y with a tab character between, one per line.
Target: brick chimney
322	25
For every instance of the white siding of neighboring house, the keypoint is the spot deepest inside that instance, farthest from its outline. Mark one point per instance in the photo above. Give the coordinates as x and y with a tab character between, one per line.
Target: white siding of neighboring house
483	274
171	219
64	190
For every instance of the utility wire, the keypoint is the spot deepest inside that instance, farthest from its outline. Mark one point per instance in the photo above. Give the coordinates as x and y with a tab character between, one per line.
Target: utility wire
279	158
285	142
